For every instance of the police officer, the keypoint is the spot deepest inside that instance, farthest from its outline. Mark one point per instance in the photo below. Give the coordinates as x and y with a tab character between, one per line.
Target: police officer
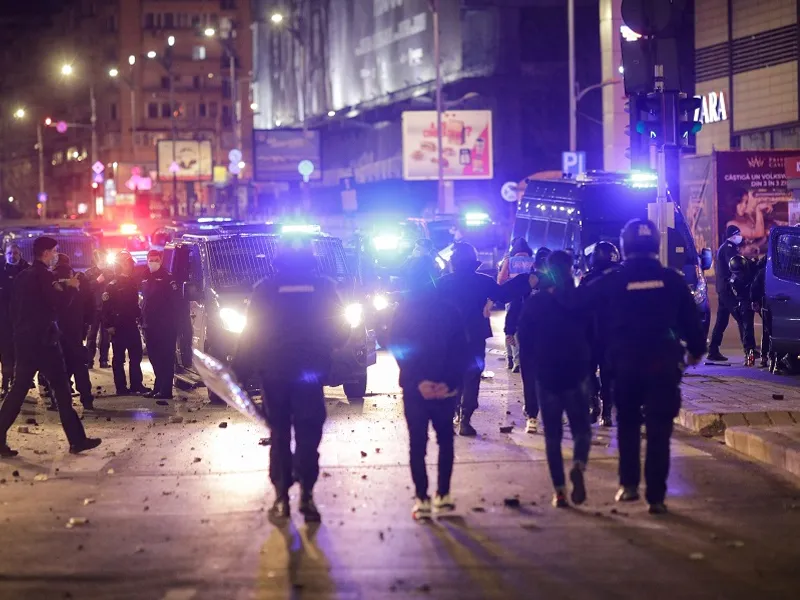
742	275
604	259
98	278
648	311
160	313
121	315
36	338
727	300
518	262
294	322
72	319
13	265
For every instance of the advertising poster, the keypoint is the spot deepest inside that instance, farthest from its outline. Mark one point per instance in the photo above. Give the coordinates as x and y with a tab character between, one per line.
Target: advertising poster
752	193
189	160
278	152
466	144
697	199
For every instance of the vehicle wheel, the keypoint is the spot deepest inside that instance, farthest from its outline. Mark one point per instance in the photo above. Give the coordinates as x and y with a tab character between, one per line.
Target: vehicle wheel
356	389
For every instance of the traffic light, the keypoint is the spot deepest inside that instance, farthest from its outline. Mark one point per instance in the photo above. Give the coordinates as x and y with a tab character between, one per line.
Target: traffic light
649	117
639	150
689	123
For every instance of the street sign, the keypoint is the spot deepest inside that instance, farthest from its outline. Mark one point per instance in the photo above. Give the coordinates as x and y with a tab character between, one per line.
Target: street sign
305	168
97	178
509	191
573	163
98	167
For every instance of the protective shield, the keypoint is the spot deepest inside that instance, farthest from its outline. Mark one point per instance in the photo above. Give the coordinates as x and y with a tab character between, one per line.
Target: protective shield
221	380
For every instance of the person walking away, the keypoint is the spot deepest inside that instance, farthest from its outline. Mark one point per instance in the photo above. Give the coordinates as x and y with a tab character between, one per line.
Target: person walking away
121	314
430	346
649	314
98	278
14	264
531	403
160	314
36	339
295	321
555	339
726	300
518	262
71	318
742	275
469	291
604	259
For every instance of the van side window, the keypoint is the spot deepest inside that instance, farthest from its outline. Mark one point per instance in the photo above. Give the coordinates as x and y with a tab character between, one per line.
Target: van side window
161	237
195	266
787	256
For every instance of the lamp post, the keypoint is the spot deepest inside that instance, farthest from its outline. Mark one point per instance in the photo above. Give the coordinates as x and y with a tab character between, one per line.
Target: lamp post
166	62
20	114
441	200
129	81
67	70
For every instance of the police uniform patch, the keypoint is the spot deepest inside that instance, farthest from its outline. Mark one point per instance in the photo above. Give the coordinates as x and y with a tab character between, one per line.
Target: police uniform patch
105	296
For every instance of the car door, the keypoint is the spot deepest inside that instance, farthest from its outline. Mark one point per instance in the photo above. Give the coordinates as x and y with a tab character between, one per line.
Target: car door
782	285
198	312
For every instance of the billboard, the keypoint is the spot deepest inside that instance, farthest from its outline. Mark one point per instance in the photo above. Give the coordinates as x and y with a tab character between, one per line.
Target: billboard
467	151
752	194
188	160
277	152
697	199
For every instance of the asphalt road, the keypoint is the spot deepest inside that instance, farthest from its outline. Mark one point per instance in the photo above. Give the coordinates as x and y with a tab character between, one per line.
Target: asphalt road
177	511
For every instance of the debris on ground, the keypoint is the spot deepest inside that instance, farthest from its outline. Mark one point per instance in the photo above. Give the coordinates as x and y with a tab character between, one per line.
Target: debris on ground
176	419
478	509
88	501
40	477
23	429
777	396
326	474
197	459
506	429
697	556
31	421
736	544
511	502
265	441
363	477
223	425
162	402
139	550
377	450
15	474
363	454
77	522
110	472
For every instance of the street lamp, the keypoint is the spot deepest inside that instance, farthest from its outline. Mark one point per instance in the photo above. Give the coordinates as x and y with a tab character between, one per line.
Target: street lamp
113	72
209	32
151	54
171	41
66	69
19	114
132	60
276	18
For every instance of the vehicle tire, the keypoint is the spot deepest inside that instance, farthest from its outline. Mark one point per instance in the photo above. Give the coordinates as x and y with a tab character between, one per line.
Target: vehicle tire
356	389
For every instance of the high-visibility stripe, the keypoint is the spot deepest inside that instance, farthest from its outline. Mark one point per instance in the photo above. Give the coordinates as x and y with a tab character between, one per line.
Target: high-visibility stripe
295	289
635	286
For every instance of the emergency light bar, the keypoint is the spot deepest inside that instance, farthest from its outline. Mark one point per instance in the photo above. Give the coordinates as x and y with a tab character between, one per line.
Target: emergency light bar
642	179
474	219
300	229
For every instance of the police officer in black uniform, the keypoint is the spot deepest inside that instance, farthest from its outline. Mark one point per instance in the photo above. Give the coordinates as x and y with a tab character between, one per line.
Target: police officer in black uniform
98	277
727	299
14	264
294	322
36	339
604	259
160	312
648	311
121	315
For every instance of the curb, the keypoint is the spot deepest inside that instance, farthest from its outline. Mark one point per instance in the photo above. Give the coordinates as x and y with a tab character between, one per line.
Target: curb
714	424
772	446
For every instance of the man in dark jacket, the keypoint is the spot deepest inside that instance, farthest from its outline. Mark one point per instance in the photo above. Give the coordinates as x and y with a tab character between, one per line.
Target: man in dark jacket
160	313
727	300
554	338
14	264
295	321
72	319
430	346
98	277
472	294
649	313
36	338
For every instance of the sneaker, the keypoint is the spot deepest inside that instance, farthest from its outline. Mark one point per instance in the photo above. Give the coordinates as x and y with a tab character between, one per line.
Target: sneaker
515	369
763	363
310	511
149	394
627	494
443	504
279	511
716	356
532	425
578	495
141	390
658	508
605	422
465	429
421	510
560	498
510	364
86	444
6	452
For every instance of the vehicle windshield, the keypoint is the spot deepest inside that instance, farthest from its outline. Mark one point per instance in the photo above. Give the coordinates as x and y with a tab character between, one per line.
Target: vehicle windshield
239	262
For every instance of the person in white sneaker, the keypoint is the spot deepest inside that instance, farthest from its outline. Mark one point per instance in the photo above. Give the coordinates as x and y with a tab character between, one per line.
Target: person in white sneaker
430	345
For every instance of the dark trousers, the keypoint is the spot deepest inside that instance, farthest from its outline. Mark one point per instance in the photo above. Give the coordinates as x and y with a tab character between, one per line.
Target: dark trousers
529	391
75	360
654	401
554	404
161	344
7	358
127	339
744	320
606	387
472	380
49	361
91	344
300	406
419	412
766	333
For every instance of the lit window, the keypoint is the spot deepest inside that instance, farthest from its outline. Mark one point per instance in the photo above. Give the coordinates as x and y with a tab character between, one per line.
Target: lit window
198	53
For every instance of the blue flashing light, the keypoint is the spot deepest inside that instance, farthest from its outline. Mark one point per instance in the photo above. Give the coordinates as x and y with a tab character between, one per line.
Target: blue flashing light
310	229
642	179
386	242
475	219
214	219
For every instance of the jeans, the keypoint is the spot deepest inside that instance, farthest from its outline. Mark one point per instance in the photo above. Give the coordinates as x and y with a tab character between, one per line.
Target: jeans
529	392
472	380
512	352
419	412
656	401
575	403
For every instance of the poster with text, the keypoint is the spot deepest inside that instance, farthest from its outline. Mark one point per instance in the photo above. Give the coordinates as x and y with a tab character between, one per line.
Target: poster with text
752	194
466	145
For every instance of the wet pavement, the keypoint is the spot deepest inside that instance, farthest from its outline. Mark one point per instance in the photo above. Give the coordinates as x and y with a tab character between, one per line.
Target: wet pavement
173	506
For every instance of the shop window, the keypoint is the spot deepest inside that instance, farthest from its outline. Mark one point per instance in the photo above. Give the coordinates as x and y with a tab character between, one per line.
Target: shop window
169	20
152	110
198	53
786	139
196	82
760	140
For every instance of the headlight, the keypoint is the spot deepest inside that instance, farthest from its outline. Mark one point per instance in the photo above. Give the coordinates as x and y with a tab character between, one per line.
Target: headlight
700	291
386	242
111	259
354	314
380	302
232	320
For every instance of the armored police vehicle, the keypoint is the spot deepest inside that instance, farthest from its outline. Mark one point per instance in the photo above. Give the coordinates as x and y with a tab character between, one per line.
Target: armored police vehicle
72	241
218	270
575	214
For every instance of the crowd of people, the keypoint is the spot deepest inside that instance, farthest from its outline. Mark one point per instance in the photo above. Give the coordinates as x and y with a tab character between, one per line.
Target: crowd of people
50	321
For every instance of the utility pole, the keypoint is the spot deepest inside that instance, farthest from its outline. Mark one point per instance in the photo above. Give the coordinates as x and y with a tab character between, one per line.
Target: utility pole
93	103
437	58
237	130
668	129
40	146
175	210
573	100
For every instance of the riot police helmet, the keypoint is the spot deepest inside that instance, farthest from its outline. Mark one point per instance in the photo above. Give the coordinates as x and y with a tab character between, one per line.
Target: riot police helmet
738	264
639	238
464	257
604	255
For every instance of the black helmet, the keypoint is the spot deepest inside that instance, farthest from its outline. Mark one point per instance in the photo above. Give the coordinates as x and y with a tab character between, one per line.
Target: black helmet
464	257
540	260
604	255
639	236
738	264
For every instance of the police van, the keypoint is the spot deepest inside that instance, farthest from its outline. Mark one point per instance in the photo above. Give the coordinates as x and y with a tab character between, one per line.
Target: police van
72	241
217	271
782	289
575	214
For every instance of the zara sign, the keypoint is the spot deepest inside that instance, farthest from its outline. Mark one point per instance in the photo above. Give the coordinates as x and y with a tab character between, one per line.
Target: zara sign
712	109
